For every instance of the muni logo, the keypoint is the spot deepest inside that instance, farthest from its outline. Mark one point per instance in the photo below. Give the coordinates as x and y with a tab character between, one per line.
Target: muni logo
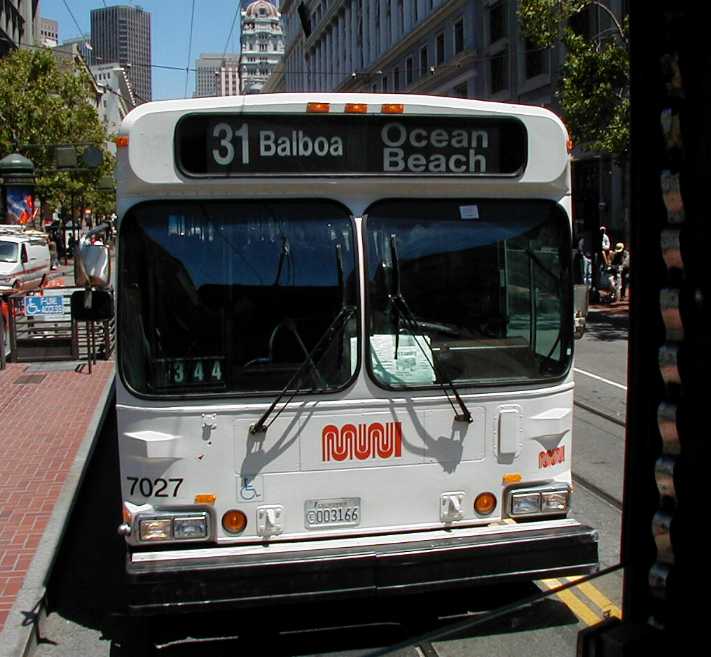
551	457
362	441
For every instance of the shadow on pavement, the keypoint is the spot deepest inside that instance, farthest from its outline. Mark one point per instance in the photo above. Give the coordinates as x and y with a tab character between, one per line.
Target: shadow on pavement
87	583
606	326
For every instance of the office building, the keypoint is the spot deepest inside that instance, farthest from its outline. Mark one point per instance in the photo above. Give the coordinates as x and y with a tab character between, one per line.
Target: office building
262	42
414	46
49	32
19	25
123	34
116	100
217	74
81	45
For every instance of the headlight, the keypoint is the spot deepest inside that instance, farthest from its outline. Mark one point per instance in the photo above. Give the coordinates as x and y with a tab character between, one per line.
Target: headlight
523	504
190	527
155	529
178	526
548	500
555	502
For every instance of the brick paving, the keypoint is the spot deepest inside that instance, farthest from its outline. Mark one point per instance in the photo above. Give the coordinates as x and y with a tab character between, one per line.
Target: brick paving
617	309
44	417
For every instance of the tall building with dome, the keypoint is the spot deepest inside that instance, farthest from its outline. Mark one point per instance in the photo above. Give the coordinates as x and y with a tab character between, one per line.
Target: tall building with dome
262	40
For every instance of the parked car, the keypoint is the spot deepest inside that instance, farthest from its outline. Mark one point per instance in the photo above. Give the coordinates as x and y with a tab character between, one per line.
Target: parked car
24	259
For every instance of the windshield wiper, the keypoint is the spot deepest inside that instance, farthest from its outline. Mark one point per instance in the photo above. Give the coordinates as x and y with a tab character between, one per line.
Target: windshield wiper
336	326
401	308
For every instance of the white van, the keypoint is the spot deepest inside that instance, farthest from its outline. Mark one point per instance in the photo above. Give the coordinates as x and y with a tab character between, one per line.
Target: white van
24	259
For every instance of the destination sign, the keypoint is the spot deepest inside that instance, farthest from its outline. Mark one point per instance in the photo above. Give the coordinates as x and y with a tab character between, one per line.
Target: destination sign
324	144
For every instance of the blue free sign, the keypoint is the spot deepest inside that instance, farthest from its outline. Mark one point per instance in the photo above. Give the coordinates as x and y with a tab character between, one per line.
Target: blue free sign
53	305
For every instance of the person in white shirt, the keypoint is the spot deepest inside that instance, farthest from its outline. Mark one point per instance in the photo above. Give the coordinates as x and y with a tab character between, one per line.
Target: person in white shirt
605	247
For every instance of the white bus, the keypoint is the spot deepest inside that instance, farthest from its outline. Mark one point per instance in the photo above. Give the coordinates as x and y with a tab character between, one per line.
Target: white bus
345	338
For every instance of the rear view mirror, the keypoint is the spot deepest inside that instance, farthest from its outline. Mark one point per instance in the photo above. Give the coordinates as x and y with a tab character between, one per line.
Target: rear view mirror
23	254
92	305
92	265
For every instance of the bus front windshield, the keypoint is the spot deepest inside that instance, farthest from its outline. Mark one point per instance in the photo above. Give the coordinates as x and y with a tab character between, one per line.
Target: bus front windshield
472	292
233	297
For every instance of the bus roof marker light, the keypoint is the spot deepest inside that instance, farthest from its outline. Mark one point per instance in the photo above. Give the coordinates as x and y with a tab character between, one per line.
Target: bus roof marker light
392	108
205	498
356	108
318	108
512	478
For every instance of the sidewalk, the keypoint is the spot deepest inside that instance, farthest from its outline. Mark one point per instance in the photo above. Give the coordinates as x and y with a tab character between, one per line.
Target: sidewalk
50	414
618	309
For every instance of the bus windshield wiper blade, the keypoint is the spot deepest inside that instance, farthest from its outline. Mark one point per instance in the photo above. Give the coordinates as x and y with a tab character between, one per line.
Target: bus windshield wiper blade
400	305
334	329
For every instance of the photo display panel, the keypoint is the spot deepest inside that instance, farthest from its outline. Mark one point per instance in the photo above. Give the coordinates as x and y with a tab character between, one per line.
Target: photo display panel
236	145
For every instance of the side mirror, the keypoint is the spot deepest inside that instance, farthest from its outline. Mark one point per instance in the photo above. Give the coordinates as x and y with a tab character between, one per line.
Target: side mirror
23	254
92	265
92	305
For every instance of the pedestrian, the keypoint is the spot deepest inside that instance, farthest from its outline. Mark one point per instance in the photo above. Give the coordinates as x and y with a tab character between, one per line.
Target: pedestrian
605	247
621	260
53	259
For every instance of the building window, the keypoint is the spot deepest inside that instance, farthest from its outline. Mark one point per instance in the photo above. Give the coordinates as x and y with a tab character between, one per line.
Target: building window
499	66
458	36
497	22
385	82
536	60
439	49
424	61
409	71
396	79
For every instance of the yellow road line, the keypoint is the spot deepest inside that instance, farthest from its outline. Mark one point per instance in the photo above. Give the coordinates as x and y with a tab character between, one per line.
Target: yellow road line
577	606
598	598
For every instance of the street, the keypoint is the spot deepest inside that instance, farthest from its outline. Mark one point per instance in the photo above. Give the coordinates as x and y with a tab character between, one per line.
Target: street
85	594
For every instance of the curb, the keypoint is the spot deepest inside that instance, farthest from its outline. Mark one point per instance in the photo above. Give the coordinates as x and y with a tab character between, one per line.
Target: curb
20	638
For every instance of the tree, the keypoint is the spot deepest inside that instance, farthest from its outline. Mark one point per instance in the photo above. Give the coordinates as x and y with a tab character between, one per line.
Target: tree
41	107
594	87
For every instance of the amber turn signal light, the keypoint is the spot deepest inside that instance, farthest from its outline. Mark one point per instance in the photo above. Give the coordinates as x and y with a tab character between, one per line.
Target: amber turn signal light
234	521
485	503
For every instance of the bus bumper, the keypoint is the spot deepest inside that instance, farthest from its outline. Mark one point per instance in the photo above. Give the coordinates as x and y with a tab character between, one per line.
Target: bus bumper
190	578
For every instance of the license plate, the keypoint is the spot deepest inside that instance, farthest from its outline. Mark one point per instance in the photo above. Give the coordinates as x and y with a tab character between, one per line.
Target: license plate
338	512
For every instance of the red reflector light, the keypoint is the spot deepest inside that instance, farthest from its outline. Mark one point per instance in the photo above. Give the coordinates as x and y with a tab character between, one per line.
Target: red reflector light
121	141
356	108
392	108
318	108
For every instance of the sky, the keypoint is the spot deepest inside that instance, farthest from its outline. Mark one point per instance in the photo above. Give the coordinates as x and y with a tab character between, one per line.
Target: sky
170	34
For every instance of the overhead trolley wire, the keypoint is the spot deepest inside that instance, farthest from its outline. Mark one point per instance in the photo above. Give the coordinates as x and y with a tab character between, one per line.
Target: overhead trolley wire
71	13
232	28
190	48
